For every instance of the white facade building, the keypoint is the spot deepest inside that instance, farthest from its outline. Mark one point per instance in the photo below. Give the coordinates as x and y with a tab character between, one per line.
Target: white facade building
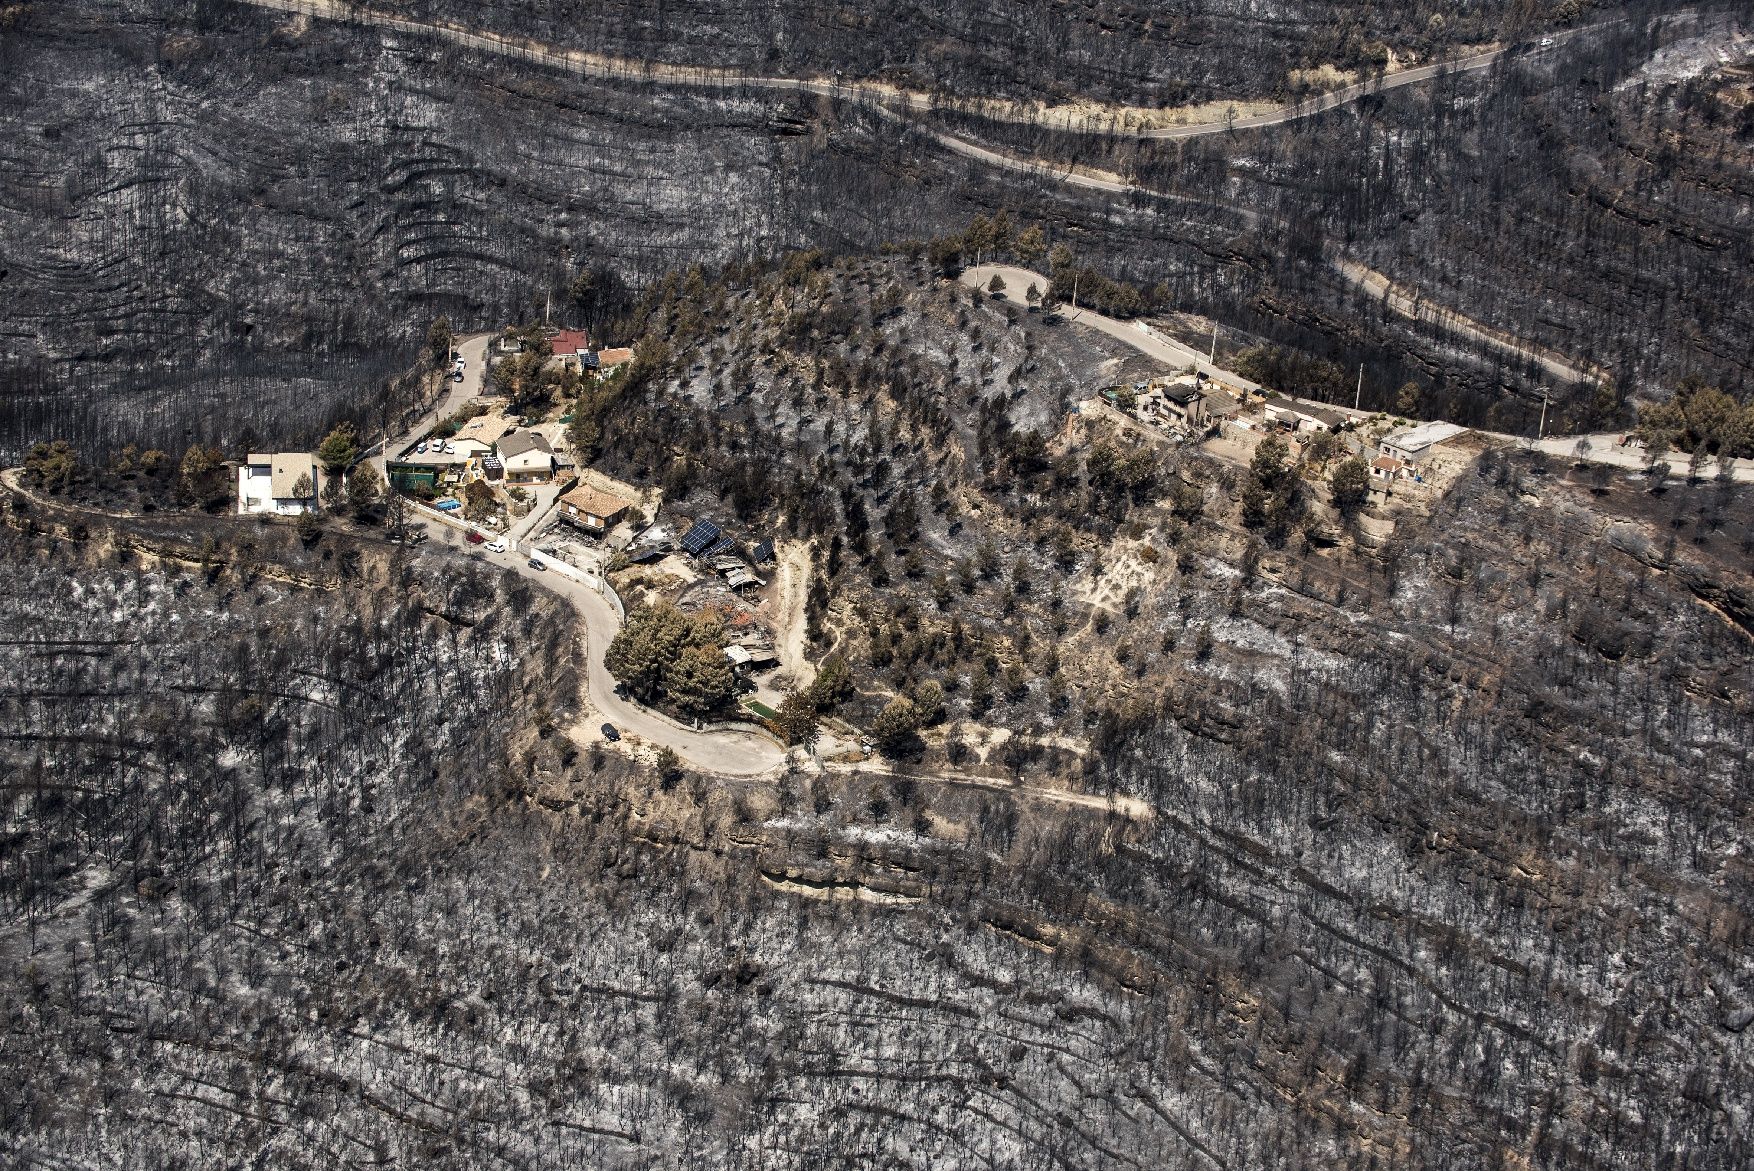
284	483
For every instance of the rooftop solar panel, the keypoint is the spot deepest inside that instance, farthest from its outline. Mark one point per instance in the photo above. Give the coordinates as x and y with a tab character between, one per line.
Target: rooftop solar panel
764	551
723	545
696	539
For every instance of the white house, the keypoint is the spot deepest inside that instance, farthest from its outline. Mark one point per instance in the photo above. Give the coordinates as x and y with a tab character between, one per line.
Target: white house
1415	443
283	482
527	458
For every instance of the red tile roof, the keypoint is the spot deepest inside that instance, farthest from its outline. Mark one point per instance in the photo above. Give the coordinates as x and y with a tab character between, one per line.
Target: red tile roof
570	341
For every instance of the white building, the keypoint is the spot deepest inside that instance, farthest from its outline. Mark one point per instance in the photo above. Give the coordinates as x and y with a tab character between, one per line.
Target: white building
1415	443
527	458
283	482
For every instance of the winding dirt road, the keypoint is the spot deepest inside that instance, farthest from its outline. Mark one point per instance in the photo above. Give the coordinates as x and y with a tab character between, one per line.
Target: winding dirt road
1099	119
894	103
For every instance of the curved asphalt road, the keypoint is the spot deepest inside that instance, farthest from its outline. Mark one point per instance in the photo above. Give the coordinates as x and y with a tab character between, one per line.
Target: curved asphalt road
725	751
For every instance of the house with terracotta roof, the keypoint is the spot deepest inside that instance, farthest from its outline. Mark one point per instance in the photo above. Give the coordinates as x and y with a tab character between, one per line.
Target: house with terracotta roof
572	349
478	435
594	509
608	360
283	483
1387	467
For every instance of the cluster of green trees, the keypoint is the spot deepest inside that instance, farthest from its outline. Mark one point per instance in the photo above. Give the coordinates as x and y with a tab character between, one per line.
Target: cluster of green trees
439	340
895	731
662	653
51	467
527	381
1119	480
1701	420
1294	372
597	403
1272	500
987	238
797	718
1349	484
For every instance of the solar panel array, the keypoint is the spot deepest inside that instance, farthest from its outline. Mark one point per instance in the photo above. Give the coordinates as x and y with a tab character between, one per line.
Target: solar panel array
697	538
764	551
723	545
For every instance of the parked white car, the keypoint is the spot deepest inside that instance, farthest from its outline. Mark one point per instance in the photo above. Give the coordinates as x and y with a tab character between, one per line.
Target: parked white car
496	546
420	448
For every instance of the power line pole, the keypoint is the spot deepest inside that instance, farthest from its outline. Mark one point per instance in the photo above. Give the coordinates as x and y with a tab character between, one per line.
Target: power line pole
1541	428
1359	397
1212	358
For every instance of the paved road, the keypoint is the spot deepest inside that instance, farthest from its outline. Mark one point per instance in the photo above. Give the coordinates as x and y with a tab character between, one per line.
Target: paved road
730	752
1416	308
1607	449
473	348
1340	97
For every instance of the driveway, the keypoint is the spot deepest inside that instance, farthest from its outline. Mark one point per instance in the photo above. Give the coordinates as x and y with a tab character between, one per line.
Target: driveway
726	751
525	526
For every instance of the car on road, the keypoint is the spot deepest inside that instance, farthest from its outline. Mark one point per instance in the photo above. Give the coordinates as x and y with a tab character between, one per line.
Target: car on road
457	376
447	448
609	732
420	448
535	564
1546	42
496	546
473	537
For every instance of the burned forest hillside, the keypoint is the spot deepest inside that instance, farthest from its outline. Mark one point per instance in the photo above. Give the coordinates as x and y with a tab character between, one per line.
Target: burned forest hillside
225	223
1413	840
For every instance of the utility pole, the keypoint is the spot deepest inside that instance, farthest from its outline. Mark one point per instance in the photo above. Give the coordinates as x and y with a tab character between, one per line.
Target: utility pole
1359	397
1541	428
1212	358
1075	275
